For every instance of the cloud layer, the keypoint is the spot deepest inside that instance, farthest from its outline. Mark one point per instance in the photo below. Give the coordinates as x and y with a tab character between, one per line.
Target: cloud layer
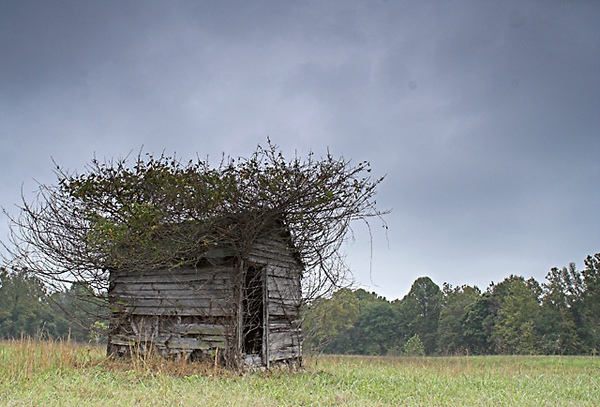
484	116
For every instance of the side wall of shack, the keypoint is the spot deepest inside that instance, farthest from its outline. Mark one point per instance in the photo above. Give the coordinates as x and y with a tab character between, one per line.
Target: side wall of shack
283	273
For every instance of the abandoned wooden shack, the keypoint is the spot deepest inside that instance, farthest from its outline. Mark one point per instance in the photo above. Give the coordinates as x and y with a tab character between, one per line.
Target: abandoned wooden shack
241	310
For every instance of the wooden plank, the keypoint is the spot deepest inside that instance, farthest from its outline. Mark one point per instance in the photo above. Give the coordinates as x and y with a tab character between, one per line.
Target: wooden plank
170	279
283	324
210	291
174	272
177	303
204	329
172	311
206	297
285	354
171	342
291	271
172	285
284	339
290	285
135	340
284	285
285	310
207	272
184	280
287	301
188	343
270	261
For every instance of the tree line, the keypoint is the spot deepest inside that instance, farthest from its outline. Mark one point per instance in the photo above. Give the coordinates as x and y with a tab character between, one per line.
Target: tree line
516	316
29	310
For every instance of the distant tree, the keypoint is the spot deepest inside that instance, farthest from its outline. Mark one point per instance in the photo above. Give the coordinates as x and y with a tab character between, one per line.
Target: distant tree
376	325
477	324
591	300
328	319
514	330
83	310
364	337
414	346
562	316
24	310
420	310
455	304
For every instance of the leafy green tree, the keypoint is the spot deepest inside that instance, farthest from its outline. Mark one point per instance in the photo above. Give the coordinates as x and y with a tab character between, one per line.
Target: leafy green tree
477	324
414	347
376	325
562	312
327	320
420	310
84	311
591	300
364	337
455	305
24	310
514	330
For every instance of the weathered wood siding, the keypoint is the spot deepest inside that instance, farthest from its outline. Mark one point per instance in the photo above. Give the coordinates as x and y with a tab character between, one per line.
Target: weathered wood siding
284	298
178	311
194	311
205	291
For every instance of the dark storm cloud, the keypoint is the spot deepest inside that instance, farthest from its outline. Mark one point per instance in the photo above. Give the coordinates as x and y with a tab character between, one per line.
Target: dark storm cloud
483	115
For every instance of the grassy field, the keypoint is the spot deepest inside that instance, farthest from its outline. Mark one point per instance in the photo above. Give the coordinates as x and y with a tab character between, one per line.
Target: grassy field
62	374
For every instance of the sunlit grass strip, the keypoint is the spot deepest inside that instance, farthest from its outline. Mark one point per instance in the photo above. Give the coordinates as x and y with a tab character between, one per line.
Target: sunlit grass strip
63	374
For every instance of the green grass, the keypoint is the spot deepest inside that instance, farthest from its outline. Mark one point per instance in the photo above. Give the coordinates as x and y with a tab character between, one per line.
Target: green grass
63	374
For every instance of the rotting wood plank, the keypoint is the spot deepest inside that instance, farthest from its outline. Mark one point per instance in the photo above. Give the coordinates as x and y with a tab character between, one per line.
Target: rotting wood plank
207	270
287	330
171	278
174	271
171	285
286	310
288	354
173	297
284	340
204	329
196	303
285	301
188	343
285	285
187	281
284	278
283	323
273	262
285	346
174	311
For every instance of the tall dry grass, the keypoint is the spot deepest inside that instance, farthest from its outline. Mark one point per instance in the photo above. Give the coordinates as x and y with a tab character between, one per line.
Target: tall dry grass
55	373
26	357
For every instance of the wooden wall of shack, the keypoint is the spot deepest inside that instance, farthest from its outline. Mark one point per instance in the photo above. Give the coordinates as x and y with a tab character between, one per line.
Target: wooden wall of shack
198	312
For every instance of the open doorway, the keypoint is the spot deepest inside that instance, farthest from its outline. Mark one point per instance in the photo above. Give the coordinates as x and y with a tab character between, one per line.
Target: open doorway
254	308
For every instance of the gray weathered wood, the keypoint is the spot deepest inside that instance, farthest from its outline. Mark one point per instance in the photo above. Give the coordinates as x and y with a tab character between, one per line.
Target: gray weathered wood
153	305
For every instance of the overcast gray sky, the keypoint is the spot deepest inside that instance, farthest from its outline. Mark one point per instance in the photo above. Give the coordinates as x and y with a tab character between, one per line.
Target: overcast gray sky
484	115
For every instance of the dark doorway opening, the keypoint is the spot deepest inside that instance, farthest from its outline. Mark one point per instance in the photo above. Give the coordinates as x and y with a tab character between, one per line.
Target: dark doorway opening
253	305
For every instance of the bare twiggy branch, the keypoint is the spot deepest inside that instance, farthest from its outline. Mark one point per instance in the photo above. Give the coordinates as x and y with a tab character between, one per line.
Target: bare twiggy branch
163	213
